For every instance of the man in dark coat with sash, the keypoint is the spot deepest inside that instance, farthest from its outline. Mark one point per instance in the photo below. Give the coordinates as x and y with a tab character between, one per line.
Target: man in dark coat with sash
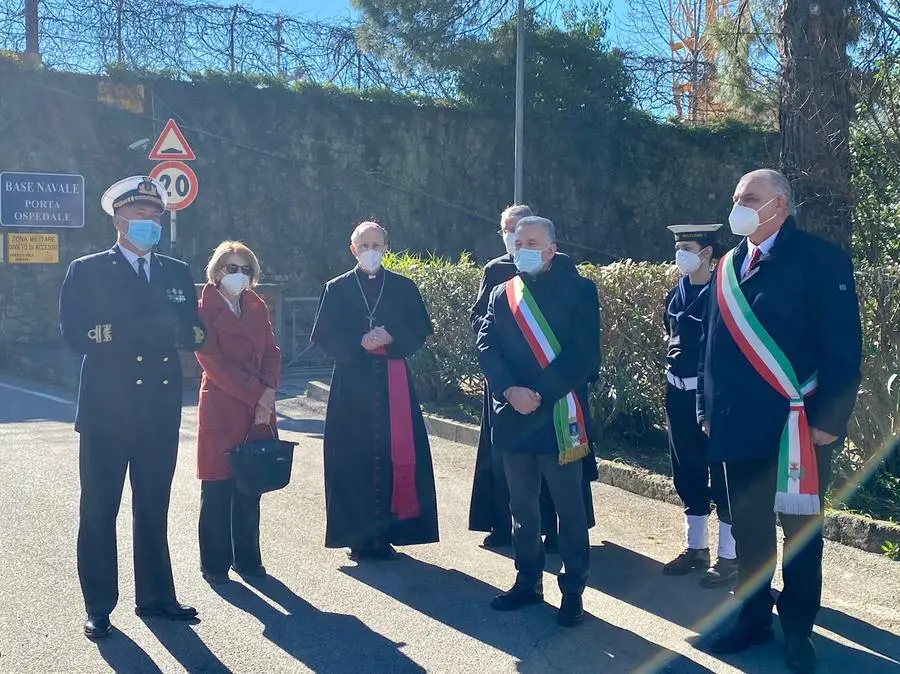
379	479
778	382
538	346
698	483
489	507
128	311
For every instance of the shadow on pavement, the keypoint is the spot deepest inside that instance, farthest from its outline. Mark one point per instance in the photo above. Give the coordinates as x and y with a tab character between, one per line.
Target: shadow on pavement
185	645
638	580
122	654
324	642
530	635
314	428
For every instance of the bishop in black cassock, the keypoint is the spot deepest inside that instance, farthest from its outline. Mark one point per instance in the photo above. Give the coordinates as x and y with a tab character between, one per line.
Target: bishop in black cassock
379	478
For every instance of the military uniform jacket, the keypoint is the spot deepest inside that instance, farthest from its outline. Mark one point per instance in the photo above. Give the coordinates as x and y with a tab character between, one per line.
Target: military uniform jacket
803	294
129	332
683	318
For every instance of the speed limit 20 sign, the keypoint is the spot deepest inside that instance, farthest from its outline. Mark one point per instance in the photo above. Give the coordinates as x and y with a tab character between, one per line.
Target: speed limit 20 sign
180	182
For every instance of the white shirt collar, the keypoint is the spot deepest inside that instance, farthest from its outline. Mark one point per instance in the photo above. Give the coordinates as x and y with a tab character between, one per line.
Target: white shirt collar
764	248
133	257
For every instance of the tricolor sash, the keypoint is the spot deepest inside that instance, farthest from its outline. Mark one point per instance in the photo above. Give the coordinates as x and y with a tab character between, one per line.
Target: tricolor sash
798	476
568	417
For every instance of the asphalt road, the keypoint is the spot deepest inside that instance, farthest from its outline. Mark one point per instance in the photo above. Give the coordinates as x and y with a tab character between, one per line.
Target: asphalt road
428	611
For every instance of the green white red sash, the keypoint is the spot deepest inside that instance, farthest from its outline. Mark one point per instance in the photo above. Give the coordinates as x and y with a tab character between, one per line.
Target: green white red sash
568	417
798	481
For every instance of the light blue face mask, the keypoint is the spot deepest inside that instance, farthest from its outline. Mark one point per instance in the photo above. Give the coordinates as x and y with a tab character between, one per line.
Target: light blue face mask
529	261
143	234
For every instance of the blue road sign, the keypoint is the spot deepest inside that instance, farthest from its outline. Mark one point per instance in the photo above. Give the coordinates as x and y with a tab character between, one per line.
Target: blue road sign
41	200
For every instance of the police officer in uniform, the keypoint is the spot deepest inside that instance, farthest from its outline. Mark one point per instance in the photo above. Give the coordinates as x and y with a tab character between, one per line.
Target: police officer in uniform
697	482
128	311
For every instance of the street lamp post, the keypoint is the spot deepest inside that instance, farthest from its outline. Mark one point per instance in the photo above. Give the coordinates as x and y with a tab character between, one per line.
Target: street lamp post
520	101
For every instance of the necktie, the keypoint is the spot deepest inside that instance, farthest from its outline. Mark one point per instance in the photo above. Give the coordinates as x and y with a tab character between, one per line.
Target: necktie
754	258
142	272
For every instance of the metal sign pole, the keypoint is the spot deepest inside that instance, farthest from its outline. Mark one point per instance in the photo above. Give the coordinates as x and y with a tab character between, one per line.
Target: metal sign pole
520	101
173	231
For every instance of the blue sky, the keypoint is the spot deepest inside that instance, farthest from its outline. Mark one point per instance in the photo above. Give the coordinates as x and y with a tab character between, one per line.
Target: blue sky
325	9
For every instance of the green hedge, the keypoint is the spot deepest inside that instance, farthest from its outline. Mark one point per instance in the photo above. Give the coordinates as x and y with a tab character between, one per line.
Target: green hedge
628	402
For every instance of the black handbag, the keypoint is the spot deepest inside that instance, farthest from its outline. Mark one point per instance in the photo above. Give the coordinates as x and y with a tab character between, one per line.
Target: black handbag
262	465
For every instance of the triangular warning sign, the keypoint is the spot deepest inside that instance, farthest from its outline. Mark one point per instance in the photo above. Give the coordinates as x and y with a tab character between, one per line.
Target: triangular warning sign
171	145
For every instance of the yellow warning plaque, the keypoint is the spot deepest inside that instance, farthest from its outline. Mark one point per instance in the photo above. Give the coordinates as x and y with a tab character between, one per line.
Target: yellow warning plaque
32	248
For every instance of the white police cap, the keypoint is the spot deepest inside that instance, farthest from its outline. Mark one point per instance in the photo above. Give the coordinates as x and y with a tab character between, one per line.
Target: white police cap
132	190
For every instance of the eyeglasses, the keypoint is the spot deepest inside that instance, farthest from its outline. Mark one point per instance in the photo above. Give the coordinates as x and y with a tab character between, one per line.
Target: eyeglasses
243	268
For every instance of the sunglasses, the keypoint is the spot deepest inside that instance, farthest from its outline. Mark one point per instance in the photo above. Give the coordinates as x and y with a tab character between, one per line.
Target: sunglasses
243	268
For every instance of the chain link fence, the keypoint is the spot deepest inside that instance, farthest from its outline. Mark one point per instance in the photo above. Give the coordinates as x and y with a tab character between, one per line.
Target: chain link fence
182	37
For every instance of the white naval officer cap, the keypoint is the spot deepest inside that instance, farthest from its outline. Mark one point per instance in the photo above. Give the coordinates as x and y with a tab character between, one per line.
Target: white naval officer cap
698	233
132	190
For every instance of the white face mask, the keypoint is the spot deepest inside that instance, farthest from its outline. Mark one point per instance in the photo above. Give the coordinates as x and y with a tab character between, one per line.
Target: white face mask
235	284
744	220
687	261
509	242
370	260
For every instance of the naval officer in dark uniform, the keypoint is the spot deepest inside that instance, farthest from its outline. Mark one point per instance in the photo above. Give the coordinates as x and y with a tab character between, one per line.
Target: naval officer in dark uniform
698	483
128	311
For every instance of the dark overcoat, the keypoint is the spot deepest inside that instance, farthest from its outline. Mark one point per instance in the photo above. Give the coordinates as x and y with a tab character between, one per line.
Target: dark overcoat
481	507
804	295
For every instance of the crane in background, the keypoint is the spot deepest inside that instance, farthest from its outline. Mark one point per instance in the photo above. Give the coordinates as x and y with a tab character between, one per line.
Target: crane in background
694	55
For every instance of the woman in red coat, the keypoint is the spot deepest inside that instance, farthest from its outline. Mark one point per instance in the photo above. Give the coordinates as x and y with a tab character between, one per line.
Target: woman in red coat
241	367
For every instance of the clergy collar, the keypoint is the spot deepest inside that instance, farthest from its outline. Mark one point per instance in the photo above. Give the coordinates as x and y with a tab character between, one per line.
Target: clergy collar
363	274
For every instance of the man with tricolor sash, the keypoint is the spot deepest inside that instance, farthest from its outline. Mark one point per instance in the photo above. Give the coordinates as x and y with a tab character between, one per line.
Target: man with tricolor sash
778	379
489	505
538	346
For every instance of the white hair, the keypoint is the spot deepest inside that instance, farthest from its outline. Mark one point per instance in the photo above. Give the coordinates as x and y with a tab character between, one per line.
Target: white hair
779	183
517	211
366	225
536	221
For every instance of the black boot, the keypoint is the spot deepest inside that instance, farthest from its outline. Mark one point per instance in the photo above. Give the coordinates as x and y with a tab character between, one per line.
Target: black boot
571	611
724	572
800	655
517	597
687	561
740	638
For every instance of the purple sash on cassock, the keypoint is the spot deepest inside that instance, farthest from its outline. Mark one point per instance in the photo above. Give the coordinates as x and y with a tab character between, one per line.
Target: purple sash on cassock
404	499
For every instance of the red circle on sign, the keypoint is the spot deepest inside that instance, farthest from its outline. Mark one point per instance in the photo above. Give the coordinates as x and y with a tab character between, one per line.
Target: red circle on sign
180	182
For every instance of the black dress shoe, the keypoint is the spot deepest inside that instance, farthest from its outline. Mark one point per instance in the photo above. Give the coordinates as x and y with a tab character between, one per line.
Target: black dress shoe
216	578
687	561
740	638
173	611
723	572
97	627
497	540
258	572
571	611
800	655
516	598
385	554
